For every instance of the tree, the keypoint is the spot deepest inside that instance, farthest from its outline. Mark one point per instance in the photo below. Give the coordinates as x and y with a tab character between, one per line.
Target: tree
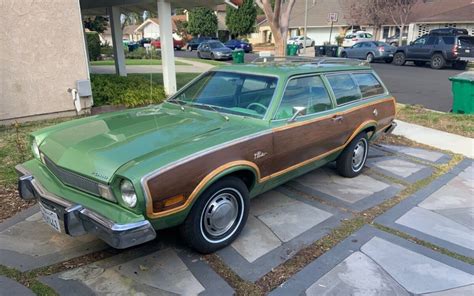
96	23
278	18
182	29
202	22
365	12
241	21
131	18
399	11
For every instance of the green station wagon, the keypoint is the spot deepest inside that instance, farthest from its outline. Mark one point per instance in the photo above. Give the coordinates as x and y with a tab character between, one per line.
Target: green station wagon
196	159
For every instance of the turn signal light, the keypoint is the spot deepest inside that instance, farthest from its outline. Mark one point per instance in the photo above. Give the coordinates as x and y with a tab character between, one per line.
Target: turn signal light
169	203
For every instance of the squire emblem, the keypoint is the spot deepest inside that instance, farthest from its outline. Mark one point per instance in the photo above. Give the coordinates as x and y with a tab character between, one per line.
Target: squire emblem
259	154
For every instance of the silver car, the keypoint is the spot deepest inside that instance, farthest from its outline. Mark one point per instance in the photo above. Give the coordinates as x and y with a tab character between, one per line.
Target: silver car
214	50
370	51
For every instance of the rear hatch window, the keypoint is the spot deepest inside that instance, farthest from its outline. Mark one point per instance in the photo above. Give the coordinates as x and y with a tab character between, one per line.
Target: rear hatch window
466	41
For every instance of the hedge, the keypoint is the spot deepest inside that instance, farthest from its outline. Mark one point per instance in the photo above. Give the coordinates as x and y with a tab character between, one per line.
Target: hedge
130	91
93	45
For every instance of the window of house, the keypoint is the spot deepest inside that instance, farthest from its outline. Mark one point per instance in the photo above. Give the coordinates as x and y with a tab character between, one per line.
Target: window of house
308	92
368	84
344	88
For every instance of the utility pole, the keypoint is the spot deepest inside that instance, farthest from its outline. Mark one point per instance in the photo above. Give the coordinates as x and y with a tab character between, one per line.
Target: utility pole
305	24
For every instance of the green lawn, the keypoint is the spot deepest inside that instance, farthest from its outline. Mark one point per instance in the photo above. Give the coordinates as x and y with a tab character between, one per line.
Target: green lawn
135	62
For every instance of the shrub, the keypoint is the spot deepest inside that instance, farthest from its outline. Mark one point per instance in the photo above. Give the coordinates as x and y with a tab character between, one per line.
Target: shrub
93	45
107	50
143	53
130	91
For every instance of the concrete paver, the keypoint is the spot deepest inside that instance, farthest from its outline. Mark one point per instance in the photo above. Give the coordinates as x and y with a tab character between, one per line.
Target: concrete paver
427	155
11	288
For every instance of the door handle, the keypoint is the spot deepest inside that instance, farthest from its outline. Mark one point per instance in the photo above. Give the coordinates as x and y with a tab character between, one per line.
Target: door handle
337	118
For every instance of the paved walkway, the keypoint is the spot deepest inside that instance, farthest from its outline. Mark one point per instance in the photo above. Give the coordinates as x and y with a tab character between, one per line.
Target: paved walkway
435	138
193	67
282	222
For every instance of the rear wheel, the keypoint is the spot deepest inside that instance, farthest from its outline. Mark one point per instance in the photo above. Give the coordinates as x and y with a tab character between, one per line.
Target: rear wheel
399	59
218	216
370	57
437	61
352	159
419	63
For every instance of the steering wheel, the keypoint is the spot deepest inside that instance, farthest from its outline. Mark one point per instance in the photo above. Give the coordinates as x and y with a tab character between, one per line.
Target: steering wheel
262	107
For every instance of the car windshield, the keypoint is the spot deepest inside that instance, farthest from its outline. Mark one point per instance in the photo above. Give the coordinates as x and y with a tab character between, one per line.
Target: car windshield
227	92
216	44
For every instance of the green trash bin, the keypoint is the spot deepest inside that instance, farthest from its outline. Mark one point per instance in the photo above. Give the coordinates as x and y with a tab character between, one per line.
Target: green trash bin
292	49
238	56
463	92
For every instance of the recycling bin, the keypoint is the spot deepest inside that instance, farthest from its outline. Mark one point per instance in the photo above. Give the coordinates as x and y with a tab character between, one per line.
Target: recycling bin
238	56
462	86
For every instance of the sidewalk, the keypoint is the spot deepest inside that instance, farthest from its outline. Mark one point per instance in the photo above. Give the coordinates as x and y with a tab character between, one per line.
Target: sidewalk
435	138
193	67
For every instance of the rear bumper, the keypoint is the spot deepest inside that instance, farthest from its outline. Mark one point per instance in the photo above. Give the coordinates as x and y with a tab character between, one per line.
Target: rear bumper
78	220
390	128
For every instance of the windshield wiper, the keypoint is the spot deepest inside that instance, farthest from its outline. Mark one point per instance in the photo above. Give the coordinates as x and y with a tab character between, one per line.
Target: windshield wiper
211	108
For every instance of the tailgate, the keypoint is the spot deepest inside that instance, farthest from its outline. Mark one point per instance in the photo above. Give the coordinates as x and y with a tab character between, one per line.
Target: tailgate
465	46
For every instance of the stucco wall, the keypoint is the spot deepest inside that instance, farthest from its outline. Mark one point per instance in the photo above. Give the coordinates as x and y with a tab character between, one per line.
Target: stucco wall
151	30
42	54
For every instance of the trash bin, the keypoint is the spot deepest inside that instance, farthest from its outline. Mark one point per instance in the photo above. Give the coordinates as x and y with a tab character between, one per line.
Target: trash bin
463	92
292	49
132	46
238	56
331	50
319	50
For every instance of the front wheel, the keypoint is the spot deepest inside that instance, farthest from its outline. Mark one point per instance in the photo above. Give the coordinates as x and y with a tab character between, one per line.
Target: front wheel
399	59
218	216
370	57
189	48
352	159
199	55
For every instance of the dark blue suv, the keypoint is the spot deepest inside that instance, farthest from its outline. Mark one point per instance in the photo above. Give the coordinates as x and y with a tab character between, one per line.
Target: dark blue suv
239	44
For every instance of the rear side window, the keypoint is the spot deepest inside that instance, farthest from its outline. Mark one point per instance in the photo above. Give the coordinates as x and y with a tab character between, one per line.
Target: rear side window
368	84
448	40
344	88
432	41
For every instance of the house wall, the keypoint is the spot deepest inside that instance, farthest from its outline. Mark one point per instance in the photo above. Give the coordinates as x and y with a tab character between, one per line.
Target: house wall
151	30
34	79
421	29
320	35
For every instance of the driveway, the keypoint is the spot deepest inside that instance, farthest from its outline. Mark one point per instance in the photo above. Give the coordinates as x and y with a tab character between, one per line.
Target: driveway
298	224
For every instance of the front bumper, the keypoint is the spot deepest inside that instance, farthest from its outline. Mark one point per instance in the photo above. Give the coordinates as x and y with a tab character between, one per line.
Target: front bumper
78	220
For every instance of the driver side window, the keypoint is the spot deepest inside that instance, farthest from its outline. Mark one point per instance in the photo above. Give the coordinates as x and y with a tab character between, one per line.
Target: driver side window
308	92
420	41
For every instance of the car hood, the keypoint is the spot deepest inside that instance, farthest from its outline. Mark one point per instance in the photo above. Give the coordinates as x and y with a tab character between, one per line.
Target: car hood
98	146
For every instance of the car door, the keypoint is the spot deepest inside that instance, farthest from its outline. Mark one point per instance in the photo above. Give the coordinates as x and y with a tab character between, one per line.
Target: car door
206	50
427	49
414	50
356	50
312	135
366	48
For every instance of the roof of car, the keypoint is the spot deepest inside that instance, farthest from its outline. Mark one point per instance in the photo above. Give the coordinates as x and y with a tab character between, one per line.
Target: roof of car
289	69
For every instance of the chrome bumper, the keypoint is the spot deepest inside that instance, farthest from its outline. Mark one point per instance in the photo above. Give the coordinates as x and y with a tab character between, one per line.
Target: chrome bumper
390	129
78	220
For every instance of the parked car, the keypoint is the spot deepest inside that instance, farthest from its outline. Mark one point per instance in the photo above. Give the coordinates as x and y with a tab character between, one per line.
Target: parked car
214	50
439	48
144	41
239	44
359	36
195	42
196	159
299	40
370	51
395	39
177	44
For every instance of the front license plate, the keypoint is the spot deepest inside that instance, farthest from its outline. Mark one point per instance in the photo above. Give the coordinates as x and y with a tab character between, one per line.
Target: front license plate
51	218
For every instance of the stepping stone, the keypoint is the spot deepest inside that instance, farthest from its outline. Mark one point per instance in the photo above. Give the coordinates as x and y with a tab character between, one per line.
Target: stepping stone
438	226
26	242
399	168
13	288
431	156
356	275
415	272
163	272
349	190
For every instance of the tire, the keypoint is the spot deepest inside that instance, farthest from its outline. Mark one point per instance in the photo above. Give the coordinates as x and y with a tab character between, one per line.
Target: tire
459	65
212	56
352	159
370	57
399	59
189	48
437	61
343	55
389	60
419	63
229	195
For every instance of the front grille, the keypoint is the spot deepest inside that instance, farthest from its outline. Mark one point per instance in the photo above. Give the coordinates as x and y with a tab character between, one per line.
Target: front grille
71	179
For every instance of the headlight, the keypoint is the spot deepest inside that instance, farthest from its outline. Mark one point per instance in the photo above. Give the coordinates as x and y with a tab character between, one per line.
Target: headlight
128	193
35	149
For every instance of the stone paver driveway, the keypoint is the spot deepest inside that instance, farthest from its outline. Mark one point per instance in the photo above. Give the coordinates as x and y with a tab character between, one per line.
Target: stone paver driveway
282	222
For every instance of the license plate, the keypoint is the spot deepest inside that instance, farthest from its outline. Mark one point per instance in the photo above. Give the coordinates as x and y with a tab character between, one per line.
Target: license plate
390	55
468	50
51	218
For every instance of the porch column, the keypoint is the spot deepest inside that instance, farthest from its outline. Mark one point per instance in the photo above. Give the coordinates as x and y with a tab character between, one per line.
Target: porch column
411	32
167	46
117	43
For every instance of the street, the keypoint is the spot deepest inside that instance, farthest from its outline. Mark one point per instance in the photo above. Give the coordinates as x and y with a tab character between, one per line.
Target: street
409	84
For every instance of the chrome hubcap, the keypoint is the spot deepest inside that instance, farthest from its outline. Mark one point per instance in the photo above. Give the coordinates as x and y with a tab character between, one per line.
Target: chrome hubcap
358	156
220	214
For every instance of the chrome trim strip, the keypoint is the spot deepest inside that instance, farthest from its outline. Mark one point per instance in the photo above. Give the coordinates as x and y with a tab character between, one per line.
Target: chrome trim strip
191	157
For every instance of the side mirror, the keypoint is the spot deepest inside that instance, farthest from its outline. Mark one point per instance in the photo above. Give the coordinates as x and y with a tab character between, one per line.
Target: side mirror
297	111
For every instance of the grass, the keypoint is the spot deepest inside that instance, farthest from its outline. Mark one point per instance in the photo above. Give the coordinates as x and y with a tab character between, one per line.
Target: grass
460	124
136	62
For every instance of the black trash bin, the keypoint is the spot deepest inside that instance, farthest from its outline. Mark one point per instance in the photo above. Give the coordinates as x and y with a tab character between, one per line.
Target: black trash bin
331	50
319	50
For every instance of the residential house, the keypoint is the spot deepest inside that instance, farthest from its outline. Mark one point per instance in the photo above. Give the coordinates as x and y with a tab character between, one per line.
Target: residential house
151	27
129	33
262	31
